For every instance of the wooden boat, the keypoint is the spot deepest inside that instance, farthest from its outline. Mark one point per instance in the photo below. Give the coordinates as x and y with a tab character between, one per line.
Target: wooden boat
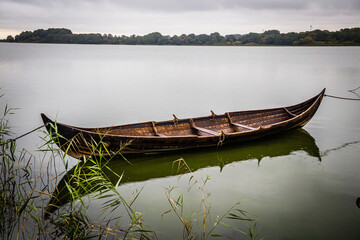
178	134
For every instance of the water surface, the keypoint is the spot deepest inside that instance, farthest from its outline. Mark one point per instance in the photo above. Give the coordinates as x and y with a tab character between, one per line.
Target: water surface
301	185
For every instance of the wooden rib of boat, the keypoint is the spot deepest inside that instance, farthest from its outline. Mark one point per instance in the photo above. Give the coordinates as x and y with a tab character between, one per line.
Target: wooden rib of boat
178	134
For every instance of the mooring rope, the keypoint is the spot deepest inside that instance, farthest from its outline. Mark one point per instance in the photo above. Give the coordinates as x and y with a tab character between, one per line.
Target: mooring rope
353	90
23	135
326	152
343	98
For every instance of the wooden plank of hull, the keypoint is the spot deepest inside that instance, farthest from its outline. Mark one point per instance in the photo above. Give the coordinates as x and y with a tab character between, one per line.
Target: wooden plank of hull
199	132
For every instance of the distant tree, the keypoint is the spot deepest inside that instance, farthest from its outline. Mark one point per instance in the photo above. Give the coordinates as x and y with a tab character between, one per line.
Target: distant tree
216	38
10	39
271	32
151	38
348	35
271	37
132	40
203	39
319	35
250	38
192	36
164	40
308	40
193	39
230	38
175	40
288	38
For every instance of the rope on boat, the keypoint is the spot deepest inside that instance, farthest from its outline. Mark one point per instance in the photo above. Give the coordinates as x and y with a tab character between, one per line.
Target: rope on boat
343	98
221	139
23	135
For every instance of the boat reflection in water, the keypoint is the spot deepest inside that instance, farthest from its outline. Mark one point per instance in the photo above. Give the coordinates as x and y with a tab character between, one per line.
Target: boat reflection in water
152	166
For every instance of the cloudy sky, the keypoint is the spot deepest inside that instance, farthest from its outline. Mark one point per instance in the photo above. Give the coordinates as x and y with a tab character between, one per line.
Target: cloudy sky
177	16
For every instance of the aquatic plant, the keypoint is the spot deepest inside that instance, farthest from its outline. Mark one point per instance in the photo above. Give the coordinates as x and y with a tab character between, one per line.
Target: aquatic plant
203	214
23	196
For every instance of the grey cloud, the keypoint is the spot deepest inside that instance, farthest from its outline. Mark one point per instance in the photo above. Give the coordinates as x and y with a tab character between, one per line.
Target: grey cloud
206	5
196	5
178	16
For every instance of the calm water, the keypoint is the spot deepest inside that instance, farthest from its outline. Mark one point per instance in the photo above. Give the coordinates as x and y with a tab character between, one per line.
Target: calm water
301	185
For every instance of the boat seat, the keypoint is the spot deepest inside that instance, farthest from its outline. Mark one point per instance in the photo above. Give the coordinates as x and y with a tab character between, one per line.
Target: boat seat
155	131
200	129
208	131
237	124
290	113
243	126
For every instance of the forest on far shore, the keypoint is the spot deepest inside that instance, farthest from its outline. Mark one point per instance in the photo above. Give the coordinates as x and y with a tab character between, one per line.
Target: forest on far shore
343	37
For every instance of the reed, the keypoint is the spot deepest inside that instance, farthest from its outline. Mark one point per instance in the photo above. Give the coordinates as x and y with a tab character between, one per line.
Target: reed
203	214
89	179
24	198
31	209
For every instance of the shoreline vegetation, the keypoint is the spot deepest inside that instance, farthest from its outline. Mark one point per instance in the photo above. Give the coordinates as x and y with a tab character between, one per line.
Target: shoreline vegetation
343	37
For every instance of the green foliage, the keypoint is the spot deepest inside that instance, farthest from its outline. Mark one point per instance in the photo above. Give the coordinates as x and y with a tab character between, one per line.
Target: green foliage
10	39
271	37
25	199
308	40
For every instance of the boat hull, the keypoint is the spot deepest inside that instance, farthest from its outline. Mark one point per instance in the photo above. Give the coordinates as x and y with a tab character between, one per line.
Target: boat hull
179	134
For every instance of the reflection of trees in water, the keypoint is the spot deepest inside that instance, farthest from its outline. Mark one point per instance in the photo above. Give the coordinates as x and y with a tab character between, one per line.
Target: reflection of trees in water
326	152
358	202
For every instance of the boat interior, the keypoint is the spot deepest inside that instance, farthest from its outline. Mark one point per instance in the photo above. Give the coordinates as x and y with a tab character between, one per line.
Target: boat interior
213	125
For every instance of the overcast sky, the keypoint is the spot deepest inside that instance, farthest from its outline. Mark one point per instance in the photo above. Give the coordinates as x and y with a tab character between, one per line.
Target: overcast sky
177	16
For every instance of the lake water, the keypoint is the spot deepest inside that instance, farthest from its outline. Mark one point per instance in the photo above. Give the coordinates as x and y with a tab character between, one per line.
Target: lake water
301	185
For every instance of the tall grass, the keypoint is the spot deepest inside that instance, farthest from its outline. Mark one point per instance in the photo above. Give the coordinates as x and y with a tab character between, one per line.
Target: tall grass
31	207
24	198
203	214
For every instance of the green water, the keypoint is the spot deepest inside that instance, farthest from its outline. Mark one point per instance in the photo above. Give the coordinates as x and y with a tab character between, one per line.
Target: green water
302	184
162	165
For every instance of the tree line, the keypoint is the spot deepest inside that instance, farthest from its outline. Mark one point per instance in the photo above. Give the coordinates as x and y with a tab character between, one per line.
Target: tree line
343	37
